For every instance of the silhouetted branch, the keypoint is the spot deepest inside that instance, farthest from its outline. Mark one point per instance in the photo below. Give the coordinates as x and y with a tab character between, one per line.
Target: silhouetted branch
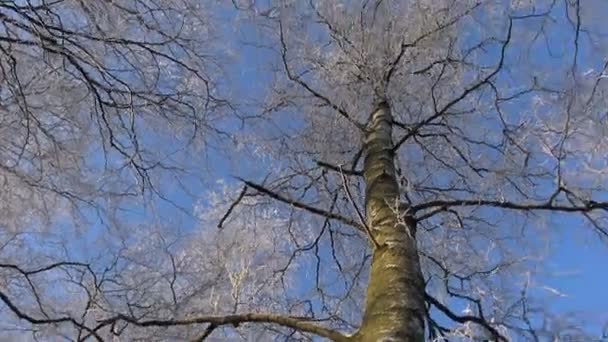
303	206
339	169
232	206
466	318
300	324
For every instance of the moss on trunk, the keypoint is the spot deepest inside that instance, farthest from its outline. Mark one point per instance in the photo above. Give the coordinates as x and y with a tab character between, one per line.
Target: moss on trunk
394	309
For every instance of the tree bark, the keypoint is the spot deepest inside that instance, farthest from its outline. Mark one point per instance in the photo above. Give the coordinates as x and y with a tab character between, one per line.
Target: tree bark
394	309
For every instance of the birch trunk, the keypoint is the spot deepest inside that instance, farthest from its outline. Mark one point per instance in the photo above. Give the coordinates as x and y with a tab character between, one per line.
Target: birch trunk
394	309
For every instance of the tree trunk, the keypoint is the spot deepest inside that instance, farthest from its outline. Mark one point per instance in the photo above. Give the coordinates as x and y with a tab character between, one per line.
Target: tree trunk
394	309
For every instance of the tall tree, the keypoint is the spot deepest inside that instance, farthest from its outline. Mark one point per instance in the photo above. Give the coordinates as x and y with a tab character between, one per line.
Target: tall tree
397	168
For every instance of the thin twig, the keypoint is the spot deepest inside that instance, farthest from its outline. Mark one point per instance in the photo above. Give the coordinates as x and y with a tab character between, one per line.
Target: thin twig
359	215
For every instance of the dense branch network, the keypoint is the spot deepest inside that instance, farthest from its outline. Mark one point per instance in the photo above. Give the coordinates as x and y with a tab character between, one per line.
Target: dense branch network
461	152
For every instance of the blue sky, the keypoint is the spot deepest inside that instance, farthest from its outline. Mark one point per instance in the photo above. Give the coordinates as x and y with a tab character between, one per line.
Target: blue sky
577	268
578	263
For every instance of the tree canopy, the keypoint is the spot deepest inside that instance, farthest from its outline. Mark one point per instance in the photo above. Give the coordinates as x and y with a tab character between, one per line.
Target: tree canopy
375	170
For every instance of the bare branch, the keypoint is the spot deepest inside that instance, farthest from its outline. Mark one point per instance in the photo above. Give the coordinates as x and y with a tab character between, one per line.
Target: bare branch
359	214
591	206
414	130
467	318
303	206
339	169
232	206
308	88
301	324
37	321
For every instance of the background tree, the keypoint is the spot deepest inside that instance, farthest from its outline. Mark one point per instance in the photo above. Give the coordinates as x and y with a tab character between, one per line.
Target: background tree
400	168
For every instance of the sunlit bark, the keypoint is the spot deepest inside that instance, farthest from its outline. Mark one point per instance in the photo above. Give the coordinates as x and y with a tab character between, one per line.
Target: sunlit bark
394	309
